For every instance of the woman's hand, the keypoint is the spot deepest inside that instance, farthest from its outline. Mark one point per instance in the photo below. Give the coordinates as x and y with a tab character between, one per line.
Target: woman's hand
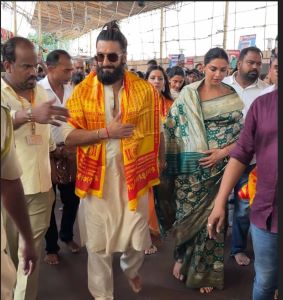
215	155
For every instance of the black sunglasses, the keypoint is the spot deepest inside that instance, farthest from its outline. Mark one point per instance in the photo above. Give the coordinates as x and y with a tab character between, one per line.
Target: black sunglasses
112	57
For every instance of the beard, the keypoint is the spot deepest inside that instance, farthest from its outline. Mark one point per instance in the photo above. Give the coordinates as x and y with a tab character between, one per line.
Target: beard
29	84
252	76
107	77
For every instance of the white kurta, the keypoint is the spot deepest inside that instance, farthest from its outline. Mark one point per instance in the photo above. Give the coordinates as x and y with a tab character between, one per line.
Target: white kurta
107	224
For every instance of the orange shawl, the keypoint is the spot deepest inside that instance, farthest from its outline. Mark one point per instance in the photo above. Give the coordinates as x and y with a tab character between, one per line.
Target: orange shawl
249	189
139	106
165	105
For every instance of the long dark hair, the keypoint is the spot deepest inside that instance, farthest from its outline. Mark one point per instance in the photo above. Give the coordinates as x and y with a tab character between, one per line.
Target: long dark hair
166	93
111	32
214	53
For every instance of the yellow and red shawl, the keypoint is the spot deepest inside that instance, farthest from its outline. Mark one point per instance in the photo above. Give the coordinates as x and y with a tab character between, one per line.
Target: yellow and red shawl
139	106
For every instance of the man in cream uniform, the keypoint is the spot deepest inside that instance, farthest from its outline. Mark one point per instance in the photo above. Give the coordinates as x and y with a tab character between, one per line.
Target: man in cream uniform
31	113
12	198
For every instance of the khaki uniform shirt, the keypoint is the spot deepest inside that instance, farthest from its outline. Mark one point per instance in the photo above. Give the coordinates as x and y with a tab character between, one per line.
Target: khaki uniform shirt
34	159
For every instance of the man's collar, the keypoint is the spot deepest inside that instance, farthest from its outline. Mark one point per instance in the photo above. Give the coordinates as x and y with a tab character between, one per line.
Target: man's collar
4	84
45	83
254	84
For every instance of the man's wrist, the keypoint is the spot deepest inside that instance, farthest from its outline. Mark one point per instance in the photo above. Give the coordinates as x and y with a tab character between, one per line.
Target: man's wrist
30	116
100	134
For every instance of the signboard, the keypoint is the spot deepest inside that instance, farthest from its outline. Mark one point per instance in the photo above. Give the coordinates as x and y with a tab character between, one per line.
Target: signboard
5	35
190	62
175	58
233	57
246	41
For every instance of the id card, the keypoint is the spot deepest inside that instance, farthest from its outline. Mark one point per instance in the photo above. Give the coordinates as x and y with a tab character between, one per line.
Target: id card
34	139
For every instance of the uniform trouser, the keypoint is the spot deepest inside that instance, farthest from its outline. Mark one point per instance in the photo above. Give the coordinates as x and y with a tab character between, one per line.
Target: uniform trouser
100	273
8	277
39	208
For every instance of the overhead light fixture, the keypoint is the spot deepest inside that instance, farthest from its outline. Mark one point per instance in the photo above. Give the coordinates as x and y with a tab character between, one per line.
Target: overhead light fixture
141	3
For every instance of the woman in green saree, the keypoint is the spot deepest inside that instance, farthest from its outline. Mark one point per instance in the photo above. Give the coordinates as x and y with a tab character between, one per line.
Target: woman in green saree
201	128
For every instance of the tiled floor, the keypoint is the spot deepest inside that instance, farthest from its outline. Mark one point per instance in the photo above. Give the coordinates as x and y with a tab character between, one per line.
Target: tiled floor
68	280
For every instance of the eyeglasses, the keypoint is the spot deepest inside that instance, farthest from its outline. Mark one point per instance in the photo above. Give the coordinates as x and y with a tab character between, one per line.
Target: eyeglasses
112	57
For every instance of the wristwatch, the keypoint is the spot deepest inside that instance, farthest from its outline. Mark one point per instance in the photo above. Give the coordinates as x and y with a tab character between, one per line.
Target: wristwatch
30	115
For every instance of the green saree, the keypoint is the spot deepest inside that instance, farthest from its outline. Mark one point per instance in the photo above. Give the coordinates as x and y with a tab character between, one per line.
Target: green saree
192	127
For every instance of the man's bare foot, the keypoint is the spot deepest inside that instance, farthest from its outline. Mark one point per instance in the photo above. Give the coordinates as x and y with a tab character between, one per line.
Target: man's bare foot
206	290
73	246
242	259
51	259
150	250
136	284
176	270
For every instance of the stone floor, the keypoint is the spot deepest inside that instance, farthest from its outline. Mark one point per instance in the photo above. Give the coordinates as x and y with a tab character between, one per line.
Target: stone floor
68	280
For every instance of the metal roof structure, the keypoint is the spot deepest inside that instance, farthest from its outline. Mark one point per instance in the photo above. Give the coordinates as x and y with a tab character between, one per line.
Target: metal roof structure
71	19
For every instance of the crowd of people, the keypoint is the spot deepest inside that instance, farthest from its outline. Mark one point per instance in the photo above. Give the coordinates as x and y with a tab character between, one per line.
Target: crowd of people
134	156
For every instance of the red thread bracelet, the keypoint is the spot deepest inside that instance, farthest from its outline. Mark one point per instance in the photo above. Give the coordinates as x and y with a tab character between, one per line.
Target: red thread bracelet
107	132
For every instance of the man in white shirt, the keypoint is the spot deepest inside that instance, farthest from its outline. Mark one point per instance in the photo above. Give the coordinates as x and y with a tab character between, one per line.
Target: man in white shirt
247	84
59	72
31	113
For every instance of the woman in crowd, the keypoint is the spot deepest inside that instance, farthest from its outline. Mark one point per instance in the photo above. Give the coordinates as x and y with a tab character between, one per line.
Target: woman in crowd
200	130
176	80
157	77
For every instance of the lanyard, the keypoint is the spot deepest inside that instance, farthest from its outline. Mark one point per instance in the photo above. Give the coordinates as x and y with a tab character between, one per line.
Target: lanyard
32	100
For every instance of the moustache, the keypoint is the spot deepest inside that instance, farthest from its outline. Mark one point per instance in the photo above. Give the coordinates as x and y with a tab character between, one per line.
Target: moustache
108	67
31	77
253	72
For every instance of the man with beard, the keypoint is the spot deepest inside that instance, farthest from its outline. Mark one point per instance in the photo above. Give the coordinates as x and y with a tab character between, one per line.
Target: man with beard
115	124
248	85
31	112
59	71
79	66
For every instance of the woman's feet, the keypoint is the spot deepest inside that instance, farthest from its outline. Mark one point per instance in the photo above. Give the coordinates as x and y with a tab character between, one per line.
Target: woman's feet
176	270
150	250
178	275
206	290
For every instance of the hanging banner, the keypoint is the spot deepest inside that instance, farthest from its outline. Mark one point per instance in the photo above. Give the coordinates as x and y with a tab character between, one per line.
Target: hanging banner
174	59
190	62
246	41
5	35
233	57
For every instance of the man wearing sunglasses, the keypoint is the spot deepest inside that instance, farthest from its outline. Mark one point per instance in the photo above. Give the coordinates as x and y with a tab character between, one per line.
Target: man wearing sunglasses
115	125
